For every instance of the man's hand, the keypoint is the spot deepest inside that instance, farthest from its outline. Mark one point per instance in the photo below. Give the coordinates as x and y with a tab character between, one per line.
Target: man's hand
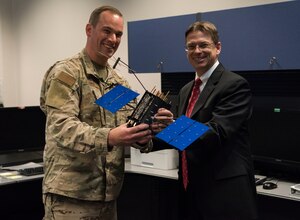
126	136
162	119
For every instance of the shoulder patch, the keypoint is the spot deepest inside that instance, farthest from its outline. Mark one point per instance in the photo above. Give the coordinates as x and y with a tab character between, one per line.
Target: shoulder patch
66	78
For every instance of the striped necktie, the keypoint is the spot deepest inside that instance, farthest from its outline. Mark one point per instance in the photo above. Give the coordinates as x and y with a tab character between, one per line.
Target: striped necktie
192	101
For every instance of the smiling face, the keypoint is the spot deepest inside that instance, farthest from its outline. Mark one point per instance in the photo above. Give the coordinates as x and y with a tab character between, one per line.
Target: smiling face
202	52
104	38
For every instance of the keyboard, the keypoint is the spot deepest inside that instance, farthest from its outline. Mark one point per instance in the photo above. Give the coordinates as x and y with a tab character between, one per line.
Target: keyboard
31	171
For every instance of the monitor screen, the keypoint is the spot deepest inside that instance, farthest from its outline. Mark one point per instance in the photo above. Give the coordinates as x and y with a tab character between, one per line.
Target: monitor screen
22	129
274	127
274	134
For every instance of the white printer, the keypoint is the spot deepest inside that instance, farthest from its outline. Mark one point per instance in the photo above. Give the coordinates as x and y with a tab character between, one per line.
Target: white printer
163	159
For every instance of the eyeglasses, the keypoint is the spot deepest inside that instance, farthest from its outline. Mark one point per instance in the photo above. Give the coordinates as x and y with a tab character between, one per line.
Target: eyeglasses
202	46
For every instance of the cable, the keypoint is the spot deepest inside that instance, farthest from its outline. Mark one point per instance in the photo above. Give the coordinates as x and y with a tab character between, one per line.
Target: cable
120	62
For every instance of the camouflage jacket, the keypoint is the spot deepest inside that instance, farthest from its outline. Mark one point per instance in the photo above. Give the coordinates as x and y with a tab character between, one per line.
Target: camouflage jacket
76	157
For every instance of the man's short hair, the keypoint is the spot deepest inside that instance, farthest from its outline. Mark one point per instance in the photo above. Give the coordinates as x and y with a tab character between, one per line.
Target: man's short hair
94	17
205	27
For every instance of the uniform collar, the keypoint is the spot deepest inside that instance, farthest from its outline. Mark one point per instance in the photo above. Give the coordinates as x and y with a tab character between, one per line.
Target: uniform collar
98	71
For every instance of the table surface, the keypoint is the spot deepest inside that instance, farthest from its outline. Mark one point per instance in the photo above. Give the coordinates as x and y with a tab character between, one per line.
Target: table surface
282	191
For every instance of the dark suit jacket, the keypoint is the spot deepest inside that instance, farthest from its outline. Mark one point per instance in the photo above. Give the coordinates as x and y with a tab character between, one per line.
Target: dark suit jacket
219	164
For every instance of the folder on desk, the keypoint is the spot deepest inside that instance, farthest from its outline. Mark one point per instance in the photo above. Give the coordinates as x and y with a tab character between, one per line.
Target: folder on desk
183	132
116	98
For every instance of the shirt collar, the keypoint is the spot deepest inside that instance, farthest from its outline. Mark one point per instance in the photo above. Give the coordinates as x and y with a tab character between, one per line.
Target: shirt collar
204	78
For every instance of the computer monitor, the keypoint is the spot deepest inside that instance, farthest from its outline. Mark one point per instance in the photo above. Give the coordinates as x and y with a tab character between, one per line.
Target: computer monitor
275	140
22	129
275	124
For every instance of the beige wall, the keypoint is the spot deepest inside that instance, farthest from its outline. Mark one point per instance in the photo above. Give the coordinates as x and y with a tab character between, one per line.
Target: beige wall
36	33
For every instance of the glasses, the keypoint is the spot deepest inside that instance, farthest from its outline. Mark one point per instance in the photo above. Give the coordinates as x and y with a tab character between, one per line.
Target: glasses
201	46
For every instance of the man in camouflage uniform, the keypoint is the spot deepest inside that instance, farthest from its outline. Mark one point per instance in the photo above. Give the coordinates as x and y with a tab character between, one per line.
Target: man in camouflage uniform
84	152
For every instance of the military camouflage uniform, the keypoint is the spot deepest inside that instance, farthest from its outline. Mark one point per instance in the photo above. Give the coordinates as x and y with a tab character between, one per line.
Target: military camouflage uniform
78	163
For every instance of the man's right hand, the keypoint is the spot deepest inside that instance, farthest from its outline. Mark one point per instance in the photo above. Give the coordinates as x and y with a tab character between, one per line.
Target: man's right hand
162	119
126	136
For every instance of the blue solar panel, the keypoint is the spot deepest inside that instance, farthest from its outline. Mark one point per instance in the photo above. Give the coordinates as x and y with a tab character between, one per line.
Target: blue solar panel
116	98
183	132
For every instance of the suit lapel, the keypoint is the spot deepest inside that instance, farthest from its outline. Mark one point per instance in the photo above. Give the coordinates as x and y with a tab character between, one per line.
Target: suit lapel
184	99
208	89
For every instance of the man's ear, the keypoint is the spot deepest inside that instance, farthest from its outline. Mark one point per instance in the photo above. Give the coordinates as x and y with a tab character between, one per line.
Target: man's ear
219	47
88	30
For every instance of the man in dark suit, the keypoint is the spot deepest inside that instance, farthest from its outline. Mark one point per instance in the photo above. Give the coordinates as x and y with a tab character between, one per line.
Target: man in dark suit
219	167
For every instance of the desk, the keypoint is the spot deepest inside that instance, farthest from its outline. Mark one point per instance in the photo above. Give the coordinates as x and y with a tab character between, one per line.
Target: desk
148	193
282	191
152	194
279	203
7	181
21	198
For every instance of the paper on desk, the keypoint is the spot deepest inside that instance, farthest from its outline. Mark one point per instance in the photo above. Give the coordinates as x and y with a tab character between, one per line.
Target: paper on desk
10	175
13	177
23	166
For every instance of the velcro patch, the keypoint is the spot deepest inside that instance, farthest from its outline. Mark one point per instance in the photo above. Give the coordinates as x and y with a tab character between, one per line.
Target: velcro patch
66	78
